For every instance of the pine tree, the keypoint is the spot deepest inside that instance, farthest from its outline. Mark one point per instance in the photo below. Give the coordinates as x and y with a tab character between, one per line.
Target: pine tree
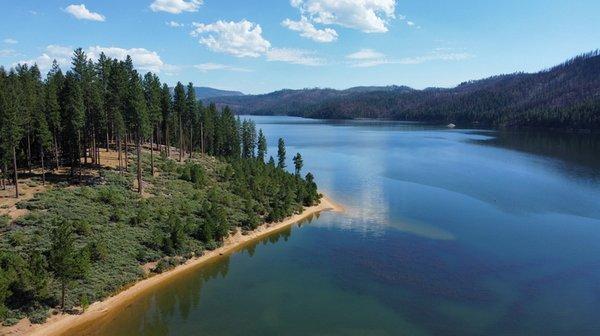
139	122
166	106
298	163
262	146
29	103
179	108
66	262
281	154
152	92
11	131
54	82
40	132
73	119
209	128
102	69
191	114
248	139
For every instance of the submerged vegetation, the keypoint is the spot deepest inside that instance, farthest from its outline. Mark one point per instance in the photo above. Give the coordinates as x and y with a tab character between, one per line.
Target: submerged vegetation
103	228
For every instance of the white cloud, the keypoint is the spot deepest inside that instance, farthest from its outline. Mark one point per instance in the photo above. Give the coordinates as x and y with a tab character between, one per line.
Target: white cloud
365	58
175	6
10	41
436	56
240	39
369	58
82	13
205	67
174	24
59	51
244	39
294	56
143	59
410	23
364	54
7	52
308	30
369	16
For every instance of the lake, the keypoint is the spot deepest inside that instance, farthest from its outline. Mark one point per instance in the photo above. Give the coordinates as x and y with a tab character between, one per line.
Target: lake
446	232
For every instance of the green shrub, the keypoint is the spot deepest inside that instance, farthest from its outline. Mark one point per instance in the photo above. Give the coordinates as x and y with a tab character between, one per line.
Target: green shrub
11	321
38	316
98	250
4	221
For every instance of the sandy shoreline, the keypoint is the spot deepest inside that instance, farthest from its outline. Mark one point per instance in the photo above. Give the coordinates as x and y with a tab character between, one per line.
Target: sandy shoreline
62	324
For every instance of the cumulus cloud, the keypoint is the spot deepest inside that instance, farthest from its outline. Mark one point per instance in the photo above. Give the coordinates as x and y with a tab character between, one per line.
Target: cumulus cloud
175	6
294	56
366	58
369	16
240	39
10	41
82	13
174	24
244	39
308	30
205	67
143	59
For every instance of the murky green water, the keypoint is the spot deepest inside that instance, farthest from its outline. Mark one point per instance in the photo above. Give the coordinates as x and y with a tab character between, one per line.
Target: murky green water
447	232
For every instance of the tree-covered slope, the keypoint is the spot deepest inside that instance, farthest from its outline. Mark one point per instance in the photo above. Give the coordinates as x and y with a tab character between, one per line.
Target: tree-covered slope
565	96
203	92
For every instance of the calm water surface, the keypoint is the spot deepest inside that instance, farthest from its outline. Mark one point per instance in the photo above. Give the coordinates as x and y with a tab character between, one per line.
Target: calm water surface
447	232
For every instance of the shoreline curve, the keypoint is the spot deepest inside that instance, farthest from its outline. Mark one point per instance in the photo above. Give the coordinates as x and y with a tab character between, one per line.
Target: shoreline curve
62	324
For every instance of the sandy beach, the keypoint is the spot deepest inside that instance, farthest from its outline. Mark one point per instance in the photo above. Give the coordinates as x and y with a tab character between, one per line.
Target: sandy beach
64	324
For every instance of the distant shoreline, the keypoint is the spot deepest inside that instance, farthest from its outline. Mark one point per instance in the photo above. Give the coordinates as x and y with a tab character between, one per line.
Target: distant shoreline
65	323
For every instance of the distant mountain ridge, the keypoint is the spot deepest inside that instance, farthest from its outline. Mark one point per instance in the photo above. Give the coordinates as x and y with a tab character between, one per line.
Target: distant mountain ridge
565	96
203	92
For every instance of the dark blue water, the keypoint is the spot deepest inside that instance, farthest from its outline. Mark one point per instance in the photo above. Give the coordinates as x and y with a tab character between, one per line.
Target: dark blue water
446	232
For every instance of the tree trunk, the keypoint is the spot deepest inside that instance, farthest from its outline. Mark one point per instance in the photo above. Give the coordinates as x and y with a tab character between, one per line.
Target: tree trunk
191	141
126	154
180	140
167	143
28	152
94	159
158	139
85	146
202	138
16	176
152	154
2	177
62	295
43	167
139	165
56	151
118	143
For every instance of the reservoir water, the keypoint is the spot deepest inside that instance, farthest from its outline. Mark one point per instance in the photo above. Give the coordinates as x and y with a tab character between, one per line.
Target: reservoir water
446	232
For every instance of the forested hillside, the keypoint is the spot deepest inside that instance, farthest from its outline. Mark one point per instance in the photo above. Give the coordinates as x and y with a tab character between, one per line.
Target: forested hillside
565	96
203	92
129	180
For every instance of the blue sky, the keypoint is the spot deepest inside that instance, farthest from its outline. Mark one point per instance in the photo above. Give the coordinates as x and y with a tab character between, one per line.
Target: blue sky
260	46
